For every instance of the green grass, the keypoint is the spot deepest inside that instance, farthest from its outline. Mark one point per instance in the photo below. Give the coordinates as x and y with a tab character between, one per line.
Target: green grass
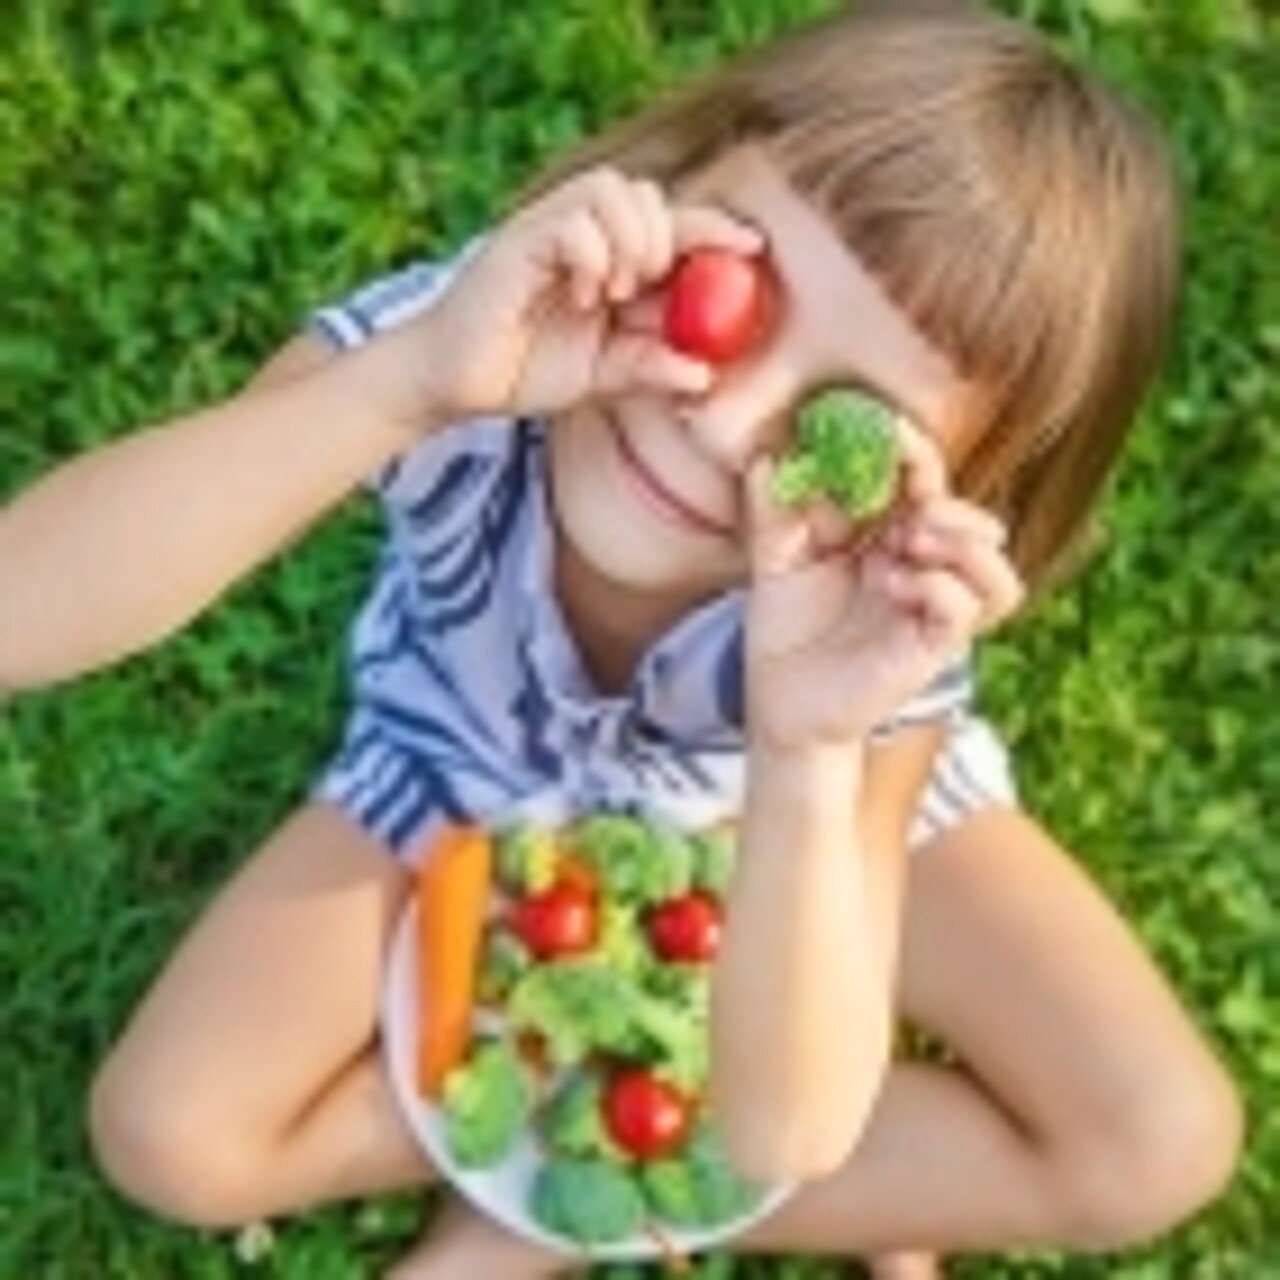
180	181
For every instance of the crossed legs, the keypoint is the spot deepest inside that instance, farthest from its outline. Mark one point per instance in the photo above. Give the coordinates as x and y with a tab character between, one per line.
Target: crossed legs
1087	1113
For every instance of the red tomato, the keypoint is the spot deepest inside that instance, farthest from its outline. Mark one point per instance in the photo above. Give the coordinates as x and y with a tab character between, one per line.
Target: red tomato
717	305
555	922
645	1116
686	928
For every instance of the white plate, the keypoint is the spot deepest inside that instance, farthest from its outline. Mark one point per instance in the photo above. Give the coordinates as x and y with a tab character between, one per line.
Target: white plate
502	1190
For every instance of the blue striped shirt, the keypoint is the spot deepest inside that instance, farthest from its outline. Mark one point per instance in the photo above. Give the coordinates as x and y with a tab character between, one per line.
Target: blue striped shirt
471	700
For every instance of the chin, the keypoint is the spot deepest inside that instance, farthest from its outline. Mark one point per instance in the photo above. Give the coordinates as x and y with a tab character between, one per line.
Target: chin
645	561
619	539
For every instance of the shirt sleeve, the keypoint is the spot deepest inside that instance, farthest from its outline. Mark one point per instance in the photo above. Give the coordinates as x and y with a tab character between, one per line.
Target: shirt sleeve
948	696
383	304
386	302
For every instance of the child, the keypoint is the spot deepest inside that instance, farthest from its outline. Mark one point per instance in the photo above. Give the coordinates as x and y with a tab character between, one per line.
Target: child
588	588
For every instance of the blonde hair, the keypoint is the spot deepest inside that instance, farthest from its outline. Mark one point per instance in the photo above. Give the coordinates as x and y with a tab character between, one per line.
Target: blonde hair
1018	211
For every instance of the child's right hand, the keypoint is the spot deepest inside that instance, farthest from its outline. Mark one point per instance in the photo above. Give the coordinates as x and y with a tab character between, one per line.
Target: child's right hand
538	320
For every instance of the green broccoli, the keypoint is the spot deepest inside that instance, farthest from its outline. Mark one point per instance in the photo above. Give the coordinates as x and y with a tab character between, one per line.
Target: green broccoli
698	1187
846	450
673	1036
637	863
622	940
714	854
502	960
572	1123
486	1102
526	858
578	1004
589	1201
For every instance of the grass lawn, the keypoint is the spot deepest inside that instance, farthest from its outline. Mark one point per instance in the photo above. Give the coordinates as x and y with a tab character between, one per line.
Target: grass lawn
180	181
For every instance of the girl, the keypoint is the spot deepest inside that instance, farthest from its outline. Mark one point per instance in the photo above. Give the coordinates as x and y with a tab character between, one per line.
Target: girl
587	588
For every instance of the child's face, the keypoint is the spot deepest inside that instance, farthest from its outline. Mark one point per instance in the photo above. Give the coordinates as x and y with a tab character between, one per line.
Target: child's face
649	490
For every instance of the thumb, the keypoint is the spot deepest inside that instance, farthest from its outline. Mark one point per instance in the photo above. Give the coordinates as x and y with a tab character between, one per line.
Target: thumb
779	540
630	361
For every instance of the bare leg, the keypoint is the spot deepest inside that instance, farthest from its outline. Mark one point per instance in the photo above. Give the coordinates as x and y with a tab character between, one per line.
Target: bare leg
1089	1113
246	1083
904	1266
462	1244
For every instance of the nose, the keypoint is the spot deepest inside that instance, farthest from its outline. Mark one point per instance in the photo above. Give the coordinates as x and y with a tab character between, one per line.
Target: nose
746	413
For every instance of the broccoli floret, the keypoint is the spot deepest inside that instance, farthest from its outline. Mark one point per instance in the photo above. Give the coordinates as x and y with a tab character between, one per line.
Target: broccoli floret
502	961
846	450
715	851
526	858
636	863
486	1102
622	941
698	1187
674	1035
589	1201
572	1123
578	1004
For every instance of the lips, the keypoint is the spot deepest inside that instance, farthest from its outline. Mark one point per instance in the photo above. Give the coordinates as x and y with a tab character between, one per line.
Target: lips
656	494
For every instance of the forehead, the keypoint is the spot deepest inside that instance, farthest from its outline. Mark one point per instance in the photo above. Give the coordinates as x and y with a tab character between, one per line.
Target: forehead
848	323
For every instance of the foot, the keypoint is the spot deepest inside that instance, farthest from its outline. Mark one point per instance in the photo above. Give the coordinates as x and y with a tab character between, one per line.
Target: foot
462	1244
905	1266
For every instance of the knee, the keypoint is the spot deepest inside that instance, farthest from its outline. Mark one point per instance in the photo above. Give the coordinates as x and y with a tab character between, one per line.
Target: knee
161	1148
1169	1153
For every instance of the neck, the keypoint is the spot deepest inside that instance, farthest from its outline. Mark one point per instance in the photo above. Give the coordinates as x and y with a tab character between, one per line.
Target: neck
612	625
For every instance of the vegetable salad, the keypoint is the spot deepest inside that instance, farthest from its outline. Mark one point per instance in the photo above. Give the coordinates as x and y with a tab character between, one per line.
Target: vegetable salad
595	956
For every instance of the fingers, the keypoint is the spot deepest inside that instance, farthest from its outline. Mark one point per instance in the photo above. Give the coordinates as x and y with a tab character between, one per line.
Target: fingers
924	469
699	226
952	541
779	540
634	360
950	610
610	237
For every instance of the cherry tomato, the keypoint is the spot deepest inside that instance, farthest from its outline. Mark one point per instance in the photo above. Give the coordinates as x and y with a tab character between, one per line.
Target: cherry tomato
716	306
645	1116
686	928
558	921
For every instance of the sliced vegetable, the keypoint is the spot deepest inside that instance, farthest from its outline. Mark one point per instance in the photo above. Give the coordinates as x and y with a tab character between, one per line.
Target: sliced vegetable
686	929
846	449
644	1115
717	305
452	892
503	959
526	858
486	1103
572	1122
559	921
590	1201
578	1006
698	1187
634	863
714	853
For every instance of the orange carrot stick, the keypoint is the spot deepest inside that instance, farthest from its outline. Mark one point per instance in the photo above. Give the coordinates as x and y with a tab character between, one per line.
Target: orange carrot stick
453	892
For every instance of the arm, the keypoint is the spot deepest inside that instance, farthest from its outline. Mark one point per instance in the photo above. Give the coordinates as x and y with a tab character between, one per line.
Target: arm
839	637
803	1018
117	549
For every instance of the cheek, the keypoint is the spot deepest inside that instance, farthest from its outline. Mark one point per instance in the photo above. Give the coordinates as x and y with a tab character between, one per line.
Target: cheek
749	413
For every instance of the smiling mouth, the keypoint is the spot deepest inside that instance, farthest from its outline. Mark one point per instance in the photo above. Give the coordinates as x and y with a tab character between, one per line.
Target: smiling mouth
669	505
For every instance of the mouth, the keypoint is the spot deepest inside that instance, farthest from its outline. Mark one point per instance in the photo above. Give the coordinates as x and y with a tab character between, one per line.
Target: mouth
658	497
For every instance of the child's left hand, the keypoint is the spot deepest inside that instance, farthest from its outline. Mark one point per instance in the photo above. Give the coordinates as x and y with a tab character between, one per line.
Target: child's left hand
844	626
